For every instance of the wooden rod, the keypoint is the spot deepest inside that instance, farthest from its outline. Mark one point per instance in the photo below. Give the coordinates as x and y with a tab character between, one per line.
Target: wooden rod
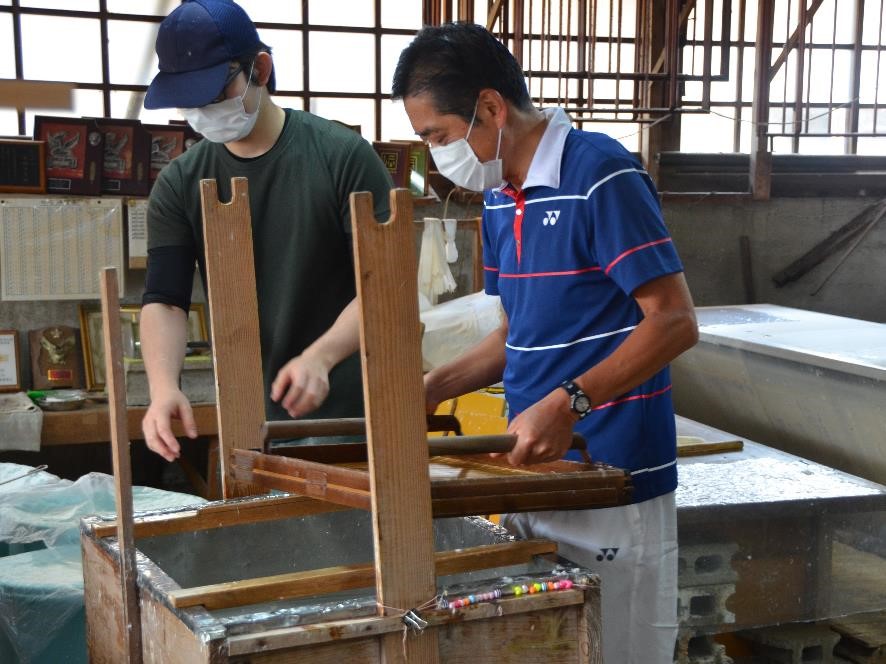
440	446
113	340
437	445
350	577
222	514
351	426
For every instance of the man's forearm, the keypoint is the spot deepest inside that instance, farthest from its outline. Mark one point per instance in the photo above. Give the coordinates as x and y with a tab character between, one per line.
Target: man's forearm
339	341
667	329
163	331
478	367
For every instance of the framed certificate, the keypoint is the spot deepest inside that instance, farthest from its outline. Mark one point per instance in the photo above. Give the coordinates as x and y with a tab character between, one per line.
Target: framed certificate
126	168
10	371
93	344
395	157
168	142
74	154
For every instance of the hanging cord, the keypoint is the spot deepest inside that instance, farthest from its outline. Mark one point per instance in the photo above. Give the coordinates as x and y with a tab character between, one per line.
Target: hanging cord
446	202
664	118
411	618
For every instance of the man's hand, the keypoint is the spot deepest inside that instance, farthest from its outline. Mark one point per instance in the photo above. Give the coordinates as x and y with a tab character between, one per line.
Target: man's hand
301	385
544	430
157	423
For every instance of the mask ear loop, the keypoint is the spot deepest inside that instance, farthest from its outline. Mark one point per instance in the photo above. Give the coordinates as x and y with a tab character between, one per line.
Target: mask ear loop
473	117
471	126
248	81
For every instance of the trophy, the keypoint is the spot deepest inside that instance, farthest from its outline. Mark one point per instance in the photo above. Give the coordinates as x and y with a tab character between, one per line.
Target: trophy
55	358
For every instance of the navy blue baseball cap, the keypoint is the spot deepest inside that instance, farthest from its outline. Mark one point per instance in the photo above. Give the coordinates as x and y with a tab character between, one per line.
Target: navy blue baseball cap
196	44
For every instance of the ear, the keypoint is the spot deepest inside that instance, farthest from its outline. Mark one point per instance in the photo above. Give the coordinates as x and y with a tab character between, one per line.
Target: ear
492	107
264	63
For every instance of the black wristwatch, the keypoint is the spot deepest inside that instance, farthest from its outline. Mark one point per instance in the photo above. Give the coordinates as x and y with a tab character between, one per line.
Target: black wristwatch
579	402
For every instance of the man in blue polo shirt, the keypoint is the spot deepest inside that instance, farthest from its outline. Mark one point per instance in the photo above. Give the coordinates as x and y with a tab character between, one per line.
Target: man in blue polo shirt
596	306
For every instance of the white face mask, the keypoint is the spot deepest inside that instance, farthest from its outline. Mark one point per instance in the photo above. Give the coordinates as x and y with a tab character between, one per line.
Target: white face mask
458	162
225	121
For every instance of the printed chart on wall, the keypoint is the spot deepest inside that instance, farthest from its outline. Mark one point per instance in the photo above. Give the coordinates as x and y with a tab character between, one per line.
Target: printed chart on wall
54	249
137	230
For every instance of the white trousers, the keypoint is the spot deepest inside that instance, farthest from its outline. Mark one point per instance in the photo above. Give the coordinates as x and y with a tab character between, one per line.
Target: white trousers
634	550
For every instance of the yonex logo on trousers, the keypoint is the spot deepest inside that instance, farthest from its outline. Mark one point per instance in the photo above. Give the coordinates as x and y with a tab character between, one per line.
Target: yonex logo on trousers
608	554
551	217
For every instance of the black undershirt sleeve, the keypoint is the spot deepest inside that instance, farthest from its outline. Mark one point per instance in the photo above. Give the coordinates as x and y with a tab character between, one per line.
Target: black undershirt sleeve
170	276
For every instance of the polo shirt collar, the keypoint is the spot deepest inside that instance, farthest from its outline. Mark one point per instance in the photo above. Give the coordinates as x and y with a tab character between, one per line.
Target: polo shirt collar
544	169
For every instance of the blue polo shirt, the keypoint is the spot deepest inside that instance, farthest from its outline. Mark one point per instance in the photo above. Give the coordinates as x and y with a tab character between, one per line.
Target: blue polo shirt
565	253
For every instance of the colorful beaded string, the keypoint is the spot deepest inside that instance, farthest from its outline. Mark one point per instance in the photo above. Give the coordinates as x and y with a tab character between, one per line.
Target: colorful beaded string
508	591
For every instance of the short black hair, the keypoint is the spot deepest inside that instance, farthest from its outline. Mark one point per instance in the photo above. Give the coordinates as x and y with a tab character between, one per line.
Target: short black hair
453	62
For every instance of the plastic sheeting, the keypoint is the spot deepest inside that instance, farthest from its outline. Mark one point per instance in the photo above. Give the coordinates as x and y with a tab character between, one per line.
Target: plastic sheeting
50	511
453	327
42	619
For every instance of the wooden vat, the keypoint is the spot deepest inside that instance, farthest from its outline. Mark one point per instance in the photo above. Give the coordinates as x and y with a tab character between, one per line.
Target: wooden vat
186	548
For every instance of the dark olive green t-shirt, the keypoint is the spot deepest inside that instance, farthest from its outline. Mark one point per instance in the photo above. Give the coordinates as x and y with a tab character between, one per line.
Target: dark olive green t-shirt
298	199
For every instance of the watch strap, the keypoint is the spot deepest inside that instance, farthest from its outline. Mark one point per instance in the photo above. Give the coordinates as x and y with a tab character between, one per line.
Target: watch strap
577	395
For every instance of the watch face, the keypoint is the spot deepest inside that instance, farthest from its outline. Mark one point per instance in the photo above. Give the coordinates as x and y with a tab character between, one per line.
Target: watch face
581	404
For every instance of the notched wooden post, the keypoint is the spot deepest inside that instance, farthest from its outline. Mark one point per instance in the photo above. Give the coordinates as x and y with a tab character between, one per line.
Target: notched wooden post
393	391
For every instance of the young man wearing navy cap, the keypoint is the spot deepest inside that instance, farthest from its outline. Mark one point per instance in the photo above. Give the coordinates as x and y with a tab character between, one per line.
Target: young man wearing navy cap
301	171
596	306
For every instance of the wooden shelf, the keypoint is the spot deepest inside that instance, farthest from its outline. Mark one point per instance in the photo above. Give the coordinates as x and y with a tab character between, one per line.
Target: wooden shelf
90	424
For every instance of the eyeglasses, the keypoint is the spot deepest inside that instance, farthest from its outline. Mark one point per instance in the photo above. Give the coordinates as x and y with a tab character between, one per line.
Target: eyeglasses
230	79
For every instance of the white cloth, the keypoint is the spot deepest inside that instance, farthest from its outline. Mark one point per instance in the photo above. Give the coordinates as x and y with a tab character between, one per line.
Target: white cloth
21	423
434	275
634	550
455	326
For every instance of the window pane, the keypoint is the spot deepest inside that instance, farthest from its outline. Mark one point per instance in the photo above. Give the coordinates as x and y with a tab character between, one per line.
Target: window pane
75	5
149	7
7	53
391	47
350	111
404	14
288	101
342	62
8	121
874	146
706	133
341	12
131	52
130	105
395	123
816	145
87	103
262	11
288	64
61	49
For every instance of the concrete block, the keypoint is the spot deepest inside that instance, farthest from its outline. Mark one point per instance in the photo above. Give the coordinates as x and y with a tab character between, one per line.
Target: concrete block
795	643
862	638
706	564
704	605
700	649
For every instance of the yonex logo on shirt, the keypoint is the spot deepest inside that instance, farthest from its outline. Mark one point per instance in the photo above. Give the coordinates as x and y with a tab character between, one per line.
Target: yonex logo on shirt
607	554
551	217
